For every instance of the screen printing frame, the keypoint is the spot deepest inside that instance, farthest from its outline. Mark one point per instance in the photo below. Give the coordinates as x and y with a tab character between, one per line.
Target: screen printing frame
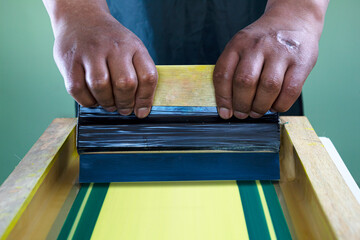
318	204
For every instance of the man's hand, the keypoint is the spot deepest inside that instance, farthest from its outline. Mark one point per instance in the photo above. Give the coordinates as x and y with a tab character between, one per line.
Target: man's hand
102	62
265	65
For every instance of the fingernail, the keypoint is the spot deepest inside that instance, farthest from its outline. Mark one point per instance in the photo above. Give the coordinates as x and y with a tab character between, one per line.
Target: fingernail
110	109
240	115
142	112
255	114
126	111
224	113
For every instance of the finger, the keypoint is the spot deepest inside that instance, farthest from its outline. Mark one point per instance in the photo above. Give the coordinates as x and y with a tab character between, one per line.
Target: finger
98	81
269	87
124	82
294	80
245	82
147	80
75	84
222	79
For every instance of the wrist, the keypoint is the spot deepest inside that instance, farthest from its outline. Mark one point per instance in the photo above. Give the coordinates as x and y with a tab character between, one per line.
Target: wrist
306	14
64	13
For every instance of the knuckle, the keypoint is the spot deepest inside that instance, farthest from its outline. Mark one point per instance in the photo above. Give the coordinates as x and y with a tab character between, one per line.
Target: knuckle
271	84
219	76
292	90
74	88
125	84
244	80
150	78
99	85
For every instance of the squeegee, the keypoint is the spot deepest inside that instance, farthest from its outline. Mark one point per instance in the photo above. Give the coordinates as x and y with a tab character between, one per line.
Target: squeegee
180	140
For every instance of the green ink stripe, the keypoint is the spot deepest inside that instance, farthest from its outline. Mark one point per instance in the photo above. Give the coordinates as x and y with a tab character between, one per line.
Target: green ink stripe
88	218
277	216
253	210
80	212
66	228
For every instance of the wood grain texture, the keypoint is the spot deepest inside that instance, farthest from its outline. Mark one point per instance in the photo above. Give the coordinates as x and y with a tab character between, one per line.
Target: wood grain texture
188	85
39	177
320	203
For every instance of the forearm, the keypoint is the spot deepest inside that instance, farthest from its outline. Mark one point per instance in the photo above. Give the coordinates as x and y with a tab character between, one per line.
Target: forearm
62	11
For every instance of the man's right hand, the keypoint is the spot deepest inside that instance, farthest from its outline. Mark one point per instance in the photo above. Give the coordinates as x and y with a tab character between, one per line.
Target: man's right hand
102	62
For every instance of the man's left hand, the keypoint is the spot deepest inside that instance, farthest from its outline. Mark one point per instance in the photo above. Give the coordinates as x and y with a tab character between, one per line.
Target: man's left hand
265	65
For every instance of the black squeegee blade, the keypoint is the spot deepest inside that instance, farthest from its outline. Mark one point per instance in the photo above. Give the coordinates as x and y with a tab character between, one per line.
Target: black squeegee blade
175	128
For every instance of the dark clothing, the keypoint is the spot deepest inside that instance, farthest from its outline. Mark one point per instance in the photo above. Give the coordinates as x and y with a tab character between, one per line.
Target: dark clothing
186	31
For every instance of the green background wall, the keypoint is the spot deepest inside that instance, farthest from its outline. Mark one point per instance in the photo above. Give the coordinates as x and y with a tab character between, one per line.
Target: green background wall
32	92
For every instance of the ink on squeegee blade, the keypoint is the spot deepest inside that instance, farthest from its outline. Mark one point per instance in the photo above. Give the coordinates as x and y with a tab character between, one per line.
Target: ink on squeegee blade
175	128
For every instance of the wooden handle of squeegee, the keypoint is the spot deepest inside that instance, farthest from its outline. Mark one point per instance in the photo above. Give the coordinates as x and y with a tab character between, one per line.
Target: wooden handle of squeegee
185	85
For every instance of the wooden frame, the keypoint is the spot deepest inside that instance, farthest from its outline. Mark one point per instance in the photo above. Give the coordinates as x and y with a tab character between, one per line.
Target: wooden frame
36	197
42	181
